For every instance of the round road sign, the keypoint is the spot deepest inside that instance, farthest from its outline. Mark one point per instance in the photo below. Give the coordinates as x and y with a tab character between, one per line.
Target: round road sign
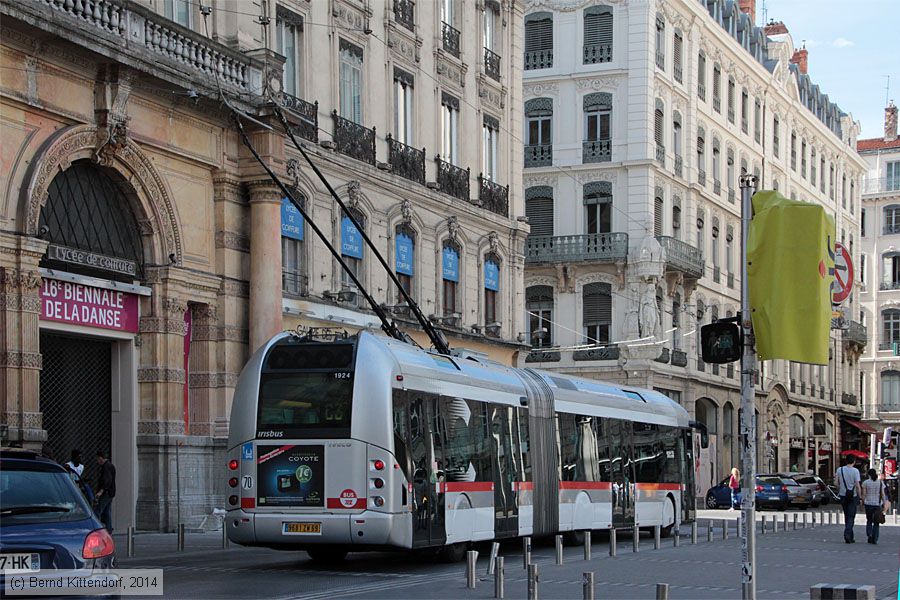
843	274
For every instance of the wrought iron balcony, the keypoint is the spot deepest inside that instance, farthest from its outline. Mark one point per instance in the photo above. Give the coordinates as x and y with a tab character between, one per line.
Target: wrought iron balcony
717	275
729	370
404	13
715	369
538	155
492	64
730	280
717	186
406	161
679	166
542	356
663	357
849	399
731	195
595	247
889	285
596	151
856	333
353	139
538	59
730	114
307	113
493	196
875	185
452	180
294	284
679	358
717	104
682	257
661	154
678	72
701	177
891	229
597	53
661	60
701	91
597	353
450	39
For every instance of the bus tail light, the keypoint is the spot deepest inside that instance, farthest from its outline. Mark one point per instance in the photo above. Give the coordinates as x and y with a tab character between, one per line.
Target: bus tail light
233	500
378	464
233	482
378	482
378	501
233	464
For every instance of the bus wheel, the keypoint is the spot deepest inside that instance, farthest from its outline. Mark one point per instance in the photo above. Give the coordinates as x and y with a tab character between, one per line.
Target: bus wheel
327	555
453	553
573	538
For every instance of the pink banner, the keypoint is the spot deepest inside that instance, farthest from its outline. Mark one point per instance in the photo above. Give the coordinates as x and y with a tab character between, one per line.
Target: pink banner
79	304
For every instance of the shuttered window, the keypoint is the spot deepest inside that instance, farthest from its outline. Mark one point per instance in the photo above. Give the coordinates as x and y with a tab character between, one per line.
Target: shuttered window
596	312
658	216
540	215
677	49
598	34
658	126
539	306
539	33
717	89
701	76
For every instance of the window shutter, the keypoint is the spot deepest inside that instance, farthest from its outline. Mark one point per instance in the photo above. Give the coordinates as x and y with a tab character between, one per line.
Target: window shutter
658	216
539	35
676	48
597	304
539	294
540	215
658	127
717	77
598	28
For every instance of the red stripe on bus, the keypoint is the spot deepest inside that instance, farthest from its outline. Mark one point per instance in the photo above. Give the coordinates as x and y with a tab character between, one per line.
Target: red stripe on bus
585	485
524	485
659	486
248	502
468	486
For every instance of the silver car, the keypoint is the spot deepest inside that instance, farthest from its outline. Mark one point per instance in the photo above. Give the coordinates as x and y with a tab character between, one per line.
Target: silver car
816	487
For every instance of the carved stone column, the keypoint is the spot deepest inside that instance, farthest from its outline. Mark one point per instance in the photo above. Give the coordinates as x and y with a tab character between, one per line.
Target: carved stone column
265	262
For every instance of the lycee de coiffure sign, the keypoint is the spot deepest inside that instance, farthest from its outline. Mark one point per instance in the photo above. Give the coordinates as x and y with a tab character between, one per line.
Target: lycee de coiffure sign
80	304
91	259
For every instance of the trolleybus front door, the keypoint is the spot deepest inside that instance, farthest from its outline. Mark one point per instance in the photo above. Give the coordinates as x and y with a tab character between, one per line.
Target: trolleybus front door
506	470
621	473
688	495
426	453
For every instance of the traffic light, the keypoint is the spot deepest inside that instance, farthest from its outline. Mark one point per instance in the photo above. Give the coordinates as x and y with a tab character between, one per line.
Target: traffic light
721	342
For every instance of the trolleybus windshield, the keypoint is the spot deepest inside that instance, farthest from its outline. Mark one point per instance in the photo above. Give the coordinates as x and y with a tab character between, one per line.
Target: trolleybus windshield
305	404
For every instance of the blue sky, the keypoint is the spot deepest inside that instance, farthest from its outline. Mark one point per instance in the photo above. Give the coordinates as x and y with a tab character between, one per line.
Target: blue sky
852	45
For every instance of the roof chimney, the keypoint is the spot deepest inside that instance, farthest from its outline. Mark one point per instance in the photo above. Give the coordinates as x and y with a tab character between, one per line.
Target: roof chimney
749	7
890	122
800	59
775	28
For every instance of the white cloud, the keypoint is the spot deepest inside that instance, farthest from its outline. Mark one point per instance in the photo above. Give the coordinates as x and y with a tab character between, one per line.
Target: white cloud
842	43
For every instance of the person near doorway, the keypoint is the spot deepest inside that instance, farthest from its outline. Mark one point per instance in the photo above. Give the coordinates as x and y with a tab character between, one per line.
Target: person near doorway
734	484
75	467
873	498
106	489
847	478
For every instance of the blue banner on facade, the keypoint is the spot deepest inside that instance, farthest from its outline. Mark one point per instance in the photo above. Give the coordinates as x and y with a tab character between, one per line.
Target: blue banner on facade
451	265
291	220
491	275
351	239
403	262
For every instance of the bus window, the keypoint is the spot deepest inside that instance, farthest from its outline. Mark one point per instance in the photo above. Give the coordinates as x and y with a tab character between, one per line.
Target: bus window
670	471
586	449
401	434
524	447
648	455
601	429
458	448
305	404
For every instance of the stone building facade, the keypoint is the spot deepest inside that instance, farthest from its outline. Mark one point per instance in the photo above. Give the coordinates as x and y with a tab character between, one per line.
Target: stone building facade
144	253
640	117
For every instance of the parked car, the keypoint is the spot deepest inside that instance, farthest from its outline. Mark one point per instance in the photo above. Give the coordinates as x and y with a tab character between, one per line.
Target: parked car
771	491
800	495
46	521
820	494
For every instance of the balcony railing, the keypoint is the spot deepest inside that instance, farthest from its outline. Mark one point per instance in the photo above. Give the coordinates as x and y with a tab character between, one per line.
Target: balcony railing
849	399
661	60
717	104
856	333
717	186
679	358
891	229
493	196
294	284
730	280
597	53
307	114
492	64
450	39
596	151
701	177
596	247
889	285
538	59
679	166
717	275
597	353
542	356
731	195
730	114
405	13
452	180
875	185
701	91
354	140
681	256
661	154
406	161
678	73
887	345
538	156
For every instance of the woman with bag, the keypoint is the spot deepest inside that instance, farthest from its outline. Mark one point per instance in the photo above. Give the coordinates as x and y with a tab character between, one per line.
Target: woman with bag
873	498
734	484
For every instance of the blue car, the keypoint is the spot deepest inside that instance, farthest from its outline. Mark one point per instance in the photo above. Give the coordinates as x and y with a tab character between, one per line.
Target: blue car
770	492
45	521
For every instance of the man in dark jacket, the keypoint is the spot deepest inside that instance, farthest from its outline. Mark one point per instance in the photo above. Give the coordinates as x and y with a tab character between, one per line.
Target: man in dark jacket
106	489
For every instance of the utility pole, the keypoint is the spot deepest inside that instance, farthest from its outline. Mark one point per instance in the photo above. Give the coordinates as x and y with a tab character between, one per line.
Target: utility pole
748	408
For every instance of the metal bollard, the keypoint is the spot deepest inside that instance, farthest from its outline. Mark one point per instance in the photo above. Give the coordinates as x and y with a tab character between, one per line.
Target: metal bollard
694	532
498	578
587	585
471	557
526	552
763	525
785	524
130	542
612	542
709	531
794	526
676	537
895	515
656	537
813	519
180	540
737	527
724	529
533	580
635	539
495	549
662	591
224	534
803	521
559	547
587	545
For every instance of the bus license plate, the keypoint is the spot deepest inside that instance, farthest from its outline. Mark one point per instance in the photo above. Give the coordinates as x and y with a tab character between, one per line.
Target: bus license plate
20	563
303	528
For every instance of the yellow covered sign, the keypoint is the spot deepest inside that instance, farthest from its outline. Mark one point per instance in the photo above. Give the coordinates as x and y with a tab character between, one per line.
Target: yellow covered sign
790	255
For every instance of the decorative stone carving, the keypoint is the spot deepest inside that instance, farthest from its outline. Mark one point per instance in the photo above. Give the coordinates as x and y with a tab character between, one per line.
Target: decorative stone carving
406	211
631	325
111	92
160	375
494	242
648	260
353	193
174	306
232	241
450	72
540	89
453	229
24	281
597	83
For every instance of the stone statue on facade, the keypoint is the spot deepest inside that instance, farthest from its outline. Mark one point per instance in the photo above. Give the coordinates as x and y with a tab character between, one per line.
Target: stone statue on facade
649	315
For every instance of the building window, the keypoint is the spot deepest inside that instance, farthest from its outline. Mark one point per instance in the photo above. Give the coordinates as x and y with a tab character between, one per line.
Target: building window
745	111
757	121
830	180
598	207
539	41
404	259
658	129
539	210
490	132
776	131
892	176
596	313
890	390
598	35
539	306
891	320
701	76
812	168
890	275
676	321
403	106
352	248
488	22
293	257
701	158
449	128
862	268
793	151
803	159
729	255
538	132
862	222
597	119
731	94
677	135
716	164
676	217
287	35
450	278
677	56
892	219
658	209
729	170
351	61
714	248
179	11
491	289
717	88
660	42
822	178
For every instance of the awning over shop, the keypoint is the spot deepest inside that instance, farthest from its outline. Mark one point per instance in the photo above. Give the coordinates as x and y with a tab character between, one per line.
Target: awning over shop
855	453
864	427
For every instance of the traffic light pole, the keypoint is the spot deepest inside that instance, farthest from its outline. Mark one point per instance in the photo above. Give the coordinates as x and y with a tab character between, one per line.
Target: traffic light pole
748	408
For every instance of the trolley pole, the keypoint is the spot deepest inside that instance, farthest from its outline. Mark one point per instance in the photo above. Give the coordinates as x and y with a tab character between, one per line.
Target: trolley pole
748	409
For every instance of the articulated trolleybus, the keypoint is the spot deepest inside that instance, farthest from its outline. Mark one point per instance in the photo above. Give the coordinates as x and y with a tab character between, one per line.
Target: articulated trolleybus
350	443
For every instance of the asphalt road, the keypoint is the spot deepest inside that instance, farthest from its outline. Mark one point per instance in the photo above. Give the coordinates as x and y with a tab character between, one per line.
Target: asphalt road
788	564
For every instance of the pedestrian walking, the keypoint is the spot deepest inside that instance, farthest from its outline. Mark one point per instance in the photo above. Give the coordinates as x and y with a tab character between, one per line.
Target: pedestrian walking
106	489
75	467
849	491
734	484
873	499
